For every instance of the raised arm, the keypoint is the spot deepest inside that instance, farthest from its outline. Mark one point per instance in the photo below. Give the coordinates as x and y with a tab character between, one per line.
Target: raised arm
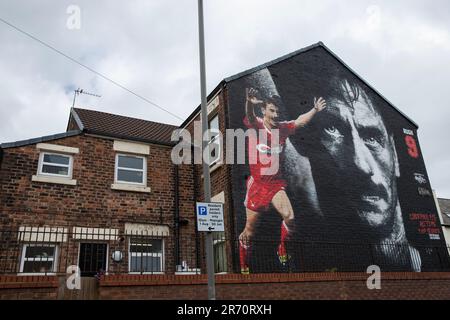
250	103
304	119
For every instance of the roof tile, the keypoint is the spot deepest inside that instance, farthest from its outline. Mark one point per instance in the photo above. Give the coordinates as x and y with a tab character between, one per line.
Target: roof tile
124	127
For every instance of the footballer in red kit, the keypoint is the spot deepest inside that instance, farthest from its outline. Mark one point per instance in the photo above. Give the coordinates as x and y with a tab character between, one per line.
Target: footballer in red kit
266	184
262	187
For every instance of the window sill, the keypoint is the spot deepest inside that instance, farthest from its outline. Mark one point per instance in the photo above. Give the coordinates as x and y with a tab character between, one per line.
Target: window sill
188	272
27	274
57	180
129	187
146	273
214	167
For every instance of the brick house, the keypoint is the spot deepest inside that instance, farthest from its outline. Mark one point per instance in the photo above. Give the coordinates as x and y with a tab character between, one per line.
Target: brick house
86	191
105	195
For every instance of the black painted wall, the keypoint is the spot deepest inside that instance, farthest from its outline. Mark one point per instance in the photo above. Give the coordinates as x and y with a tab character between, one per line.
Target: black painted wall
335	203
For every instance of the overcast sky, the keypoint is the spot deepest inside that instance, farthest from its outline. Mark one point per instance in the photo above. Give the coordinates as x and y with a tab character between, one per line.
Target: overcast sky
402	48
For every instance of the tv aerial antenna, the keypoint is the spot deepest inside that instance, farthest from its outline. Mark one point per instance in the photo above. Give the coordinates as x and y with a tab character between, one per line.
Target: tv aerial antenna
81	91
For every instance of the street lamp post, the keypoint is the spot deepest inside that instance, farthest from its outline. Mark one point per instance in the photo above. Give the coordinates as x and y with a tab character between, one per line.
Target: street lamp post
206	176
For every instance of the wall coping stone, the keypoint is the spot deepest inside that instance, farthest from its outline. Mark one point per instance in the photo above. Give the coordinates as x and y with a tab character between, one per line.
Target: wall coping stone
155	280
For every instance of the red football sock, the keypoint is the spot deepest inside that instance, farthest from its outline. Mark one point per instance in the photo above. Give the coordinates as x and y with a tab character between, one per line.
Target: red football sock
244	255
284	235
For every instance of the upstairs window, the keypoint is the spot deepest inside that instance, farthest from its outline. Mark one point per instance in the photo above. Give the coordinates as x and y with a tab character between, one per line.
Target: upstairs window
214	142
54	164
131	169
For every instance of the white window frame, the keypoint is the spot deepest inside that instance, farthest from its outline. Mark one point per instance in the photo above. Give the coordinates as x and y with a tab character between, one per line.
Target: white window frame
213	141
54	259
146	254
42	163
143	170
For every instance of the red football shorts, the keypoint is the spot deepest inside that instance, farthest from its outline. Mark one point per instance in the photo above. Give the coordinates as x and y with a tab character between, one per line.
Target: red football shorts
260	193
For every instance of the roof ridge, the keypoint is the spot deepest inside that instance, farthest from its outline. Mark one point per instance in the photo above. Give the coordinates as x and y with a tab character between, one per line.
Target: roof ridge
274	61
119	115
306	49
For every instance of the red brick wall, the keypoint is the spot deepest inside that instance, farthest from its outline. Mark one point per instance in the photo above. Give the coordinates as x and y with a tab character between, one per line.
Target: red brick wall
28	288
339	286
220	179
28	294
92	202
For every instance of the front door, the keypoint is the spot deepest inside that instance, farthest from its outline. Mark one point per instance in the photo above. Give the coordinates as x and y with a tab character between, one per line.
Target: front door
92	258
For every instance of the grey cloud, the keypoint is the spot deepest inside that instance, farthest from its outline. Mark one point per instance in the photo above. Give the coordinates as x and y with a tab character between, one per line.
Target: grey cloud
151	47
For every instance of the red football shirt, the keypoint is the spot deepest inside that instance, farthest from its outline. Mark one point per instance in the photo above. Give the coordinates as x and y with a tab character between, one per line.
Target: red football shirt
267	149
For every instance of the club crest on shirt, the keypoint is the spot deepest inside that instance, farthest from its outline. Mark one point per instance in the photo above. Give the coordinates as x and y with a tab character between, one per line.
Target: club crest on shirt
264	148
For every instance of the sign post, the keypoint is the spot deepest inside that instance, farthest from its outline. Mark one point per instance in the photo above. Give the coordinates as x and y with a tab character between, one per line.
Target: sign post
206	177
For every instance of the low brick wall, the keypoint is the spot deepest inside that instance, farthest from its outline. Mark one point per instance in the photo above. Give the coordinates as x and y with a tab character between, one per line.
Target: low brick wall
340	286
28	287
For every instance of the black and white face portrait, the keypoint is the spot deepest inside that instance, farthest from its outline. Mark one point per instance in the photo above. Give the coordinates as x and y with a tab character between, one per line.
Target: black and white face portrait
353	149
353	173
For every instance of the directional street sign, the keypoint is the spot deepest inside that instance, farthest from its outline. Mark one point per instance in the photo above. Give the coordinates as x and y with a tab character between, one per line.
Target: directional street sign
210	217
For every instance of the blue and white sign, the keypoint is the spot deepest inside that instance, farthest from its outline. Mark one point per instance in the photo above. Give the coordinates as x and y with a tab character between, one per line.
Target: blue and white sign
202	210
210	217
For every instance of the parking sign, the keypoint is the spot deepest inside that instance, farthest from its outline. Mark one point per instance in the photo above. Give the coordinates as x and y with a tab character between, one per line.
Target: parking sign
210	217
202	211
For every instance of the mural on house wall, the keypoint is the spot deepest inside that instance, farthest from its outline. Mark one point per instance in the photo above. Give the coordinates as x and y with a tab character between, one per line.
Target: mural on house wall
351	190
